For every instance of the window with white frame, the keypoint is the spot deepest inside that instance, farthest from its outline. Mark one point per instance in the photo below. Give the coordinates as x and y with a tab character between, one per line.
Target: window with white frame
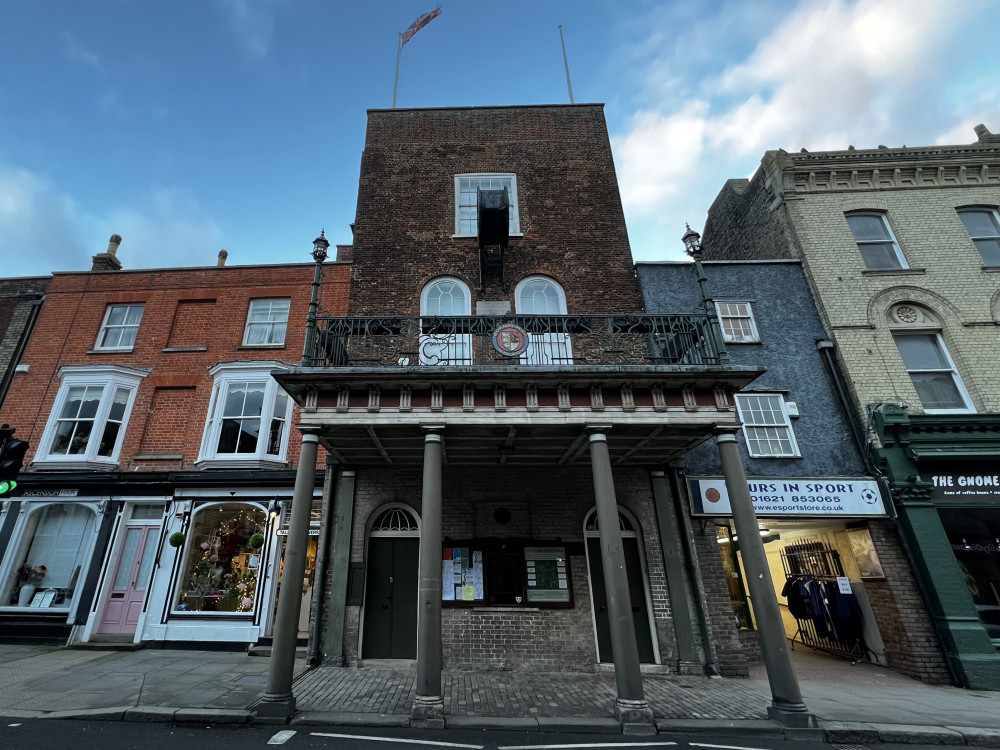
738	325
467	201
540	295
876	242
447	345
120	326
932	371
766	425
89	416
266	322
983	226
248	416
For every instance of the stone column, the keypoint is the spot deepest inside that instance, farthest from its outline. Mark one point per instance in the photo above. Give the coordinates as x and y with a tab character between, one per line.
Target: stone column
786	706
428	704
631	708
278	703
340	566
688	661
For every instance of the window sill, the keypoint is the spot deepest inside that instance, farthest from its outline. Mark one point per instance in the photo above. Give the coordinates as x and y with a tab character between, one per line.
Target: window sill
991	269
111	351
159	457
176	349
240	347
48	465
894	272
727	343
797	455
240	463
474	236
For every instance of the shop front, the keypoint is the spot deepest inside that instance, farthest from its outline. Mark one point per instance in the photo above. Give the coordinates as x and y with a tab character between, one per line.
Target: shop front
823	559
55	542
945	485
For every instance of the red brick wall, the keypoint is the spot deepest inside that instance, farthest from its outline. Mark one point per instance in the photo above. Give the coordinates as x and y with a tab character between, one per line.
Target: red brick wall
569	207
200	308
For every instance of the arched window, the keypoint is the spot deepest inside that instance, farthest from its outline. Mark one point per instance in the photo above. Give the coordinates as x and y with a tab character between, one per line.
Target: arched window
541	296
917	333
444	343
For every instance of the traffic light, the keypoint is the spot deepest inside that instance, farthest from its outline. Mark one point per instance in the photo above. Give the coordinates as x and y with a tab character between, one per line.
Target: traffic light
11	459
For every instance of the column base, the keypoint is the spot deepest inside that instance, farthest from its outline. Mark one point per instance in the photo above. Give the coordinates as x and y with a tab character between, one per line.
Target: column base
275	709
636	717
690	668
792	716
427	712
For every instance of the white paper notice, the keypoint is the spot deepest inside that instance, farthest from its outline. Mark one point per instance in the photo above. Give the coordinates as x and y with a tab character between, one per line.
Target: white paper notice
845	585
447	584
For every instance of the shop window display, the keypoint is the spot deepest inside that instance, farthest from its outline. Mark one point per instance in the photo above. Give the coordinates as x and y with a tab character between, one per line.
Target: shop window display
974	534
53	555
223	559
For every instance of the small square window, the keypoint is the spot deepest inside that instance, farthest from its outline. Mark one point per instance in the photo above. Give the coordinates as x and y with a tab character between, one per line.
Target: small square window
984	229
467	206
266	322
876	243
120	326
766	425
738	326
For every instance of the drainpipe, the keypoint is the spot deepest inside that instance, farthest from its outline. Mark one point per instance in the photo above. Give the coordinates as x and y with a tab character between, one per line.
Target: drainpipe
825	348
315	653
22	344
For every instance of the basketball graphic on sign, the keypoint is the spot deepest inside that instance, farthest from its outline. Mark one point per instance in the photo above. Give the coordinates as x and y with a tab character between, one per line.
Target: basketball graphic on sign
713	495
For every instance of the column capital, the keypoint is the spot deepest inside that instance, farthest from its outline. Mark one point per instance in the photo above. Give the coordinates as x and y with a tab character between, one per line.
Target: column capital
310	434
597	431
656	473
725	433
433	433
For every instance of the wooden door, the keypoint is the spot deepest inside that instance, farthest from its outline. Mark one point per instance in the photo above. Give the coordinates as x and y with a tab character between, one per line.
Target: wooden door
390	630
129	581
637	594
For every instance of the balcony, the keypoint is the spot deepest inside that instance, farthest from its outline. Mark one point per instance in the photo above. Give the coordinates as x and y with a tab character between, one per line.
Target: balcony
550	341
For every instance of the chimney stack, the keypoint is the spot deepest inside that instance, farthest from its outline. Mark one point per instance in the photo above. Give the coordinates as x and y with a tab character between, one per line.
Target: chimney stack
108	261
223	254
984	135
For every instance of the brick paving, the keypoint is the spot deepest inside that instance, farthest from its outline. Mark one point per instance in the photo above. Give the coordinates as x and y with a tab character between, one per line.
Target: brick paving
524	695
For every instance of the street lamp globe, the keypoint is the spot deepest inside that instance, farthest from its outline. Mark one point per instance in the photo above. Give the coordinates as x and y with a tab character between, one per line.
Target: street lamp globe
692	241
321	245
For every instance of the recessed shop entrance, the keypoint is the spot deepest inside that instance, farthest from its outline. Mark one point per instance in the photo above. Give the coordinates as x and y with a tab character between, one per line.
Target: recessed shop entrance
390	604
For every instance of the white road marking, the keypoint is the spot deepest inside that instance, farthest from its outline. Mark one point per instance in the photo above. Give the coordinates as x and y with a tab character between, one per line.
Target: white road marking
395	739
724	747
281	737
585	745
14	725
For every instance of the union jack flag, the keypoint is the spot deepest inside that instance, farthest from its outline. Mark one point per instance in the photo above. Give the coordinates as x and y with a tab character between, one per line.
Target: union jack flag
421	21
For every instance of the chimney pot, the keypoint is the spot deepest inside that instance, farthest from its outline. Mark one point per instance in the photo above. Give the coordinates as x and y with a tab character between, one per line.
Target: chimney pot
113	243
223	254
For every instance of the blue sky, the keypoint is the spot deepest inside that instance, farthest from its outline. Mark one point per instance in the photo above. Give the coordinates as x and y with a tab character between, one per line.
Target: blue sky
196	125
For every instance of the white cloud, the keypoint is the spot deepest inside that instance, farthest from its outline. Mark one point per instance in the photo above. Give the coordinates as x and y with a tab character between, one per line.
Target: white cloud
44	230
253	22
77	52
827	75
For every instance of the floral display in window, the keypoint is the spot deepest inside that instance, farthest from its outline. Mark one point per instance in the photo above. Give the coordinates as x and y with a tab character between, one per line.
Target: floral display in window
222	559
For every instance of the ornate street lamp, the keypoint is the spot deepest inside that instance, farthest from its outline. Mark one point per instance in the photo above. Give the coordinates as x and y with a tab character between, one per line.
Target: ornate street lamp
321	246
692	246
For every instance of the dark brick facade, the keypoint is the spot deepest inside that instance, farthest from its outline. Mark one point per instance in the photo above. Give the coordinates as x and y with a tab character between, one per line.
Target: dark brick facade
19	300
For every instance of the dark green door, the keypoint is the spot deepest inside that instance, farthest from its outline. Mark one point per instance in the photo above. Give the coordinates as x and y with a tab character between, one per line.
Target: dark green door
391	598
637	593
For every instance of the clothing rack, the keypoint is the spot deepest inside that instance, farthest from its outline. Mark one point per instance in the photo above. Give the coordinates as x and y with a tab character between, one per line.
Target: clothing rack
811	572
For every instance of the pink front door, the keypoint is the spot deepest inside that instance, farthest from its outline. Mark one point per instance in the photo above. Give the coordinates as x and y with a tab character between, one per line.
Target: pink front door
131	577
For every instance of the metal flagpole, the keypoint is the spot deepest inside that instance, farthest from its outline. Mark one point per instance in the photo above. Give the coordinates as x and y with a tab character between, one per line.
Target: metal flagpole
395	86
569	84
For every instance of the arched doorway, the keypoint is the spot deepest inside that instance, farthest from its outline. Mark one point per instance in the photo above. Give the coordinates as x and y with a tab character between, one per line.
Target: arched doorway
637	587
390	611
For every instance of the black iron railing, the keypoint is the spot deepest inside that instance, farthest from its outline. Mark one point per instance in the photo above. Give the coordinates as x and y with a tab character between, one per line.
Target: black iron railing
537	340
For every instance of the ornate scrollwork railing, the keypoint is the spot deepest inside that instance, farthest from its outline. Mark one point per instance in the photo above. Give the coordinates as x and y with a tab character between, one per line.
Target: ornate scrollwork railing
538	340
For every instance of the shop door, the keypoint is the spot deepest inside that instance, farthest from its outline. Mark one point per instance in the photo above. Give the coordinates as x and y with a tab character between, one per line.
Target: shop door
390	630
637	593
128	585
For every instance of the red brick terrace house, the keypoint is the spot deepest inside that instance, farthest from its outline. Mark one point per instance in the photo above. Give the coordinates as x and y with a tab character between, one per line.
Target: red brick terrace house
160	446
501	409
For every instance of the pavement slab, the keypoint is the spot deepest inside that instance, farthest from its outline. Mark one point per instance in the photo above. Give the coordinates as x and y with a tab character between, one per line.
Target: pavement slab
916	734
979	737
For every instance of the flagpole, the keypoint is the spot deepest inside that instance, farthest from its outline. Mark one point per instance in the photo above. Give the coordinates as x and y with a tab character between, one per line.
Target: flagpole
395	86
569	84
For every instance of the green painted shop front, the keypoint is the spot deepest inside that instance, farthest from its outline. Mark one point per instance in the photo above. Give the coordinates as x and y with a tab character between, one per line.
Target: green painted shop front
944	476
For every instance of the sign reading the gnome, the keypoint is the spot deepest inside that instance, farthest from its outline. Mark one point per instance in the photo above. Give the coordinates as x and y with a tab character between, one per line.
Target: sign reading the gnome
791	497
964	486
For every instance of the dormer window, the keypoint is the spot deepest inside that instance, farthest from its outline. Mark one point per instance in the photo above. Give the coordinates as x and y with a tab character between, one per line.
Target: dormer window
467	206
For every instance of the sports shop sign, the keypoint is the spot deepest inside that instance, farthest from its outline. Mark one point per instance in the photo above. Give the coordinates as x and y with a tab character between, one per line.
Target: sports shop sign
796	496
